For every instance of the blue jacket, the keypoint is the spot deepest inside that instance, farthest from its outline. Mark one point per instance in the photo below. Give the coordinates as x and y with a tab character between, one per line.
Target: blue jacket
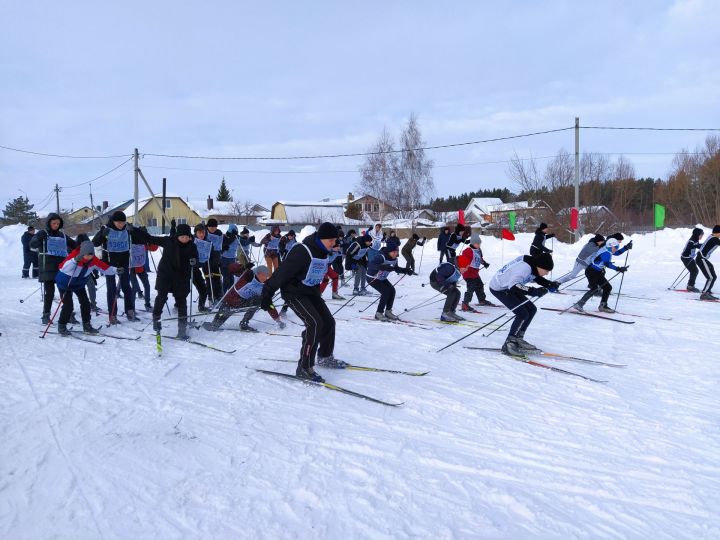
380	264
605	259
392	242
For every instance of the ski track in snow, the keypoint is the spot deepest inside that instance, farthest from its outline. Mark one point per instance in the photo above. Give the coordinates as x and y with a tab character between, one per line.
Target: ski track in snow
110	441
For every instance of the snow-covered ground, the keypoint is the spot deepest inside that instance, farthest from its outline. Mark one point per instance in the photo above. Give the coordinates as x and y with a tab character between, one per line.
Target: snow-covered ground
110	441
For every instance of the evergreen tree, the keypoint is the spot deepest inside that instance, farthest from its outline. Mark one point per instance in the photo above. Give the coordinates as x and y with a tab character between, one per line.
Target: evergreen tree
223	192
20	210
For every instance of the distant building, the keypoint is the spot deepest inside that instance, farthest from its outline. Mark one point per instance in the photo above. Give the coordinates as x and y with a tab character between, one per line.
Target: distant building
229	211
478	209
149	213
528	214
307	212
369	208
80	215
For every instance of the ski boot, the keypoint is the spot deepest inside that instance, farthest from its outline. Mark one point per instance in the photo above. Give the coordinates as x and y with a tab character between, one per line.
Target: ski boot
157	325
356	292
485	302
182	332
708	296
245	327
309	374
131	315
511	348
389	315
88	328
113	320
94	307
578	307
605	308
45	318
336	296
692	288
380	316
148	307
331	362
523	345
447	316
468	308
363	292
73	319
63	329
457	317
203	309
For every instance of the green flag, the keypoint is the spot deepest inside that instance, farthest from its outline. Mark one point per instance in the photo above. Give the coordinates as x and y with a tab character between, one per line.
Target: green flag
511	219
659	216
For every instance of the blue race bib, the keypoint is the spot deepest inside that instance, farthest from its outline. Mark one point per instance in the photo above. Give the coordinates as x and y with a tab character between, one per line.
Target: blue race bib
118	241
251	290
215	240
56	246
231	251
137	255
203	249
273	244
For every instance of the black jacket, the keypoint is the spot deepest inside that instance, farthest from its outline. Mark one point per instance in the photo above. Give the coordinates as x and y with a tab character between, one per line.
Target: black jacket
25	239
118	259
173	271
290	274
537	247
49	263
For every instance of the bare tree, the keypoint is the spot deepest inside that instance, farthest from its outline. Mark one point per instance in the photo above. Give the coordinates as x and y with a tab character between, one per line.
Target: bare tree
381	168
524	172
244	211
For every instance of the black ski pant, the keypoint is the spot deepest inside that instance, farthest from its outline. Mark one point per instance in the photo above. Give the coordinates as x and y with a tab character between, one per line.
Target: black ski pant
692	268
387	293
596	281
708	270
410	260
524	313
474	286
30	258
444	253
227	277
201	280
67	305
135	285
319	334
112	290
180	304
215	289
452	293
48	295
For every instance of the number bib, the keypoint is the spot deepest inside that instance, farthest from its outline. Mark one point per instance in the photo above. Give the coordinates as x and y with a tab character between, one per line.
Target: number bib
56	246
215	240
251	290
231	252
477	259
137	255
118	241
273	244
316	271
203	249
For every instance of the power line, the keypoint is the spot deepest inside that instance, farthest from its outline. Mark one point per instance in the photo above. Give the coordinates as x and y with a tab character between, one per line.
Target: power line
97	177
650	128
59	155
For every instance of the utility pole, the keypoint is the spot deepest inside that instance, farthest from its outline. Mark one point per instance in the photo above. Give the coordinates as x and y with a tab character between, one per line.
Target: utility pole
92	207
577	175
57	199
164	194
136	193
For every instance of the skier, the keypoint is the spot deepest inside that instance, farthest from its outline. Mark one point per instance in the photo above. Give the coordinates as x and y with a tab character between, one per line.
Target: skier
72	277
688	257
247	242
116	238
299	280
392	241
331	274
538	244
586	255
140	265
30	257
245	293
455	240
706	267
442	243
271	241
469	263
444	280
91	283
201	271
407	250
356	260
216	237
286	244
595	274
230	246
52	246
174	273
509	286
378	237
380	264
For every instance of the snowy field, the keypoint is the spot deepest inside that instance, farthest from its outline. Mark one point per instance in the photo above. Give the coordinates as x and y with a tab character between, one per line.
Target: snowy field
109	441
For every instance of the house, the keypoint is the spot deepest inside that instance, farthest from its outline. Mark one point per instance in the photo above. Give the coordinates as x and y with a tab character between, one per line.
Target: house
477	209
592	218
369	208
80	215
149	214
307	212
528	214
229	211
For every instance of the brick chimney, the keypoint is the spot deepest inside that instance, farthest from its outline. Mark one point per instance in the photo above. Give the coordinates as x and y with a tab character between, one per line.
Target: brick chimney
209	203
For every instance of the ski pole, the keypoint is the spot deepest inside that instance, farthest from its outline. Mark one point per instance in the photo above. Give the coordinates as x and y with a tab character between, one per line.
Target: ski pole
62	299
113	308
422	251
481	327
345	304
426	304
598	288
192	262
678	279
572	283
421	304
378	298
617	299
29	295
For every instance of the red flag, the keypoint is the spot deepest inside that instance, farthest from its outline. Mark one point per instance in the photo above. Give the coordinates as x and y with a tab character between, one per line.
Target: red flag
461	217
507	235
574	216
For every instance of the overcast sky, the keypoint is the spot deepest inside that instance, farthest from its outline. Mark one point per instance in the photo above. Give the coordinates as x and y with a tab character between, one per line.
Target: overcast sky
230	78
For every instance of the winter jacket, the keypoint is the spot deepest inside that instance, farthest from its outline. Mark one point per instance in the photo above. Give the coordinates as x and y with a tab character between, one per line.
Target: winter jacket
302	271
475	258
286	244
538	244
692	245
411	243
247	243
380	264
271	241
515	274
246	292
392	242
587	253
456	239
708	247
49	263
603	259
443	240
357	253
217	241
173	271
377	238
445	274
79	272
25	239
128	235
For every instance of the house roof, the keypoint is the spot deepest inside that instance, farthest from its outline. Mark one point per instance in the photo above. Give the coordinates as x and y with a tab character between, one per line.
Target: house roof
479	205
220	208
584	210
298	213
506	207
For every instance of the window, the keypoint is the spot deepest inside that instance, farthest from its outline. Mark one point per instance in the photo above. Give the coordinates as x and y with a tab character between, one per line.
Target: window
168	204
376	207
181	221
152	222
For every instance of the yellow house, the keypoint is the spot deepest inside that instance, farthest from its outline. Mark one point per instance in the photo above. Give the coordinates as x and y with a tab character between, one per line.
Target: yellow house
80	214
149	214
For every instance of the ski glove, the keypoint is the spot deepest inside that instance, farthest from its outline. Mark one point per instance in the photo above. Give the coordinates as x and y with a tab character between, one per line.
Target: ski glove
551	235
622	269
486	264
252	239
537	291
266	302
629	245
192	261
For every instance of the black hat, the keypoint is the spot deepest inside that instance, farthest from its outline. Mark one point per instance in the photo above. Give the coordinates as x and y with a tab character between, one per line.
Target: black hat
459	228
245	231
199	227
716	229
617	236
415	236
212	222
542	226
118	216
290	233
697	232
352	231
30	228
544	261
365	238
598	238
326	231
184	230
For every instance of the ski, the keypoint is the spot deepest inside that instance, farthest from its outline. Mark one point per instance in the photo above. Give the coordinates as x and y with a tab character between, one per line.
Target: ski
453	323
643	316
634	297
81	338
212	347
706	300
114	337
555	355
406	323
329	386
572	311
553	368
158	344
353	367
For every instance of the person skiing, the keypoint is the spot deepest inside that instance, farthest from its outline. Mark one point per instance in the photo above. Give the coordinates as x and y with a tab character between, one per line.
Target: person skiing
586	255
245	295
407	250
286	244
201	271
230	245
378	237
139	266
247	242
331	274
392	241
595	274
509	285
444	279
442	243
706	267
91	284
356	260
116	239
174	273
271	241
688	257
299	279
455	240
216	238
30	257
469	263
538	244
72	277
380	264
52	246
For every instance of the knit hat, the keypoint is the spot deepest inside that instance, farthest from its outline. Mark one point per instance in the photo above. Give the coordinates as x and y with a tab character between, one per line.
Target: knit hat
716	229
232	228
598	238
262	269
542	226
245	231
617	236
212	222
118	216
352	231
199	227
30	228
290	233
475	238
459	228
184	230
544	261
87	248
697	232
236	268
365	238
327	231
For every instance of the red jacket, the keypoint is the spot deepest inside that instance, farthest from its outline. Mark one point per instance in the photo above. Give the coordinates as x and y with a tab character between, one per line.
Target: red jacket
466	259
